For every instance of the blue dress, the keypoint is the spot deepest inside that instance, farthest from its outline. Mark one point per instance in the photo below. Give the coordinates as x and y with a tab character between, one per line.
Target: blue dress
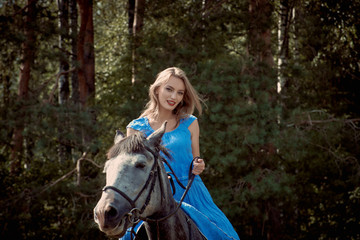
198	203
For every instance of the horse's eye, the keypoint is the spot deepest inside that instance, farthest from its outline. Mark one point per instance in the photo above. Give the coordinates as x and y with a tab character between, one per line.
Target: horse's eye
140	165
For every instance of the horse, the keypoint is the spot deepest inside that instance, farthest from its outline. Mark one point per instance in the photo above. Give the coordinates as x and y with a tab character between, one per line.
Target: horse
138	188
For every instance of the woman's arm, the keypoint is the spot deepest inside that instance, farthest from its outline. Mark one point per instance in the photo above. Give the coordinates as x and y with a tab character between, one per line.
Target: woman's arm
199	164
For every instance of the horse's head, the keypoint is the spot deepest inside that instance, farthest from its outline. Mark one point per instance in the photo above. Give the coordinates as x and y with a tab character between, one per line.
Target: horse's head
130	177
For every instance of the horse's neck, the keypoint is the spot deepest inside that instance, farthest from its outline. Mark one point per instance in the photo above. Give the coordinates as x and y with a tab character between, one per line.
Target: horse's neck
174	227
168	203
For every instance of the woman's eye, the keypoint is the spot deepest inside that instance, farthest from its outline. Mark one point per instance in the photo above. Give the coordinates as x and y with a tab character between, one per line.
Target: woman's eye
181	93
169	89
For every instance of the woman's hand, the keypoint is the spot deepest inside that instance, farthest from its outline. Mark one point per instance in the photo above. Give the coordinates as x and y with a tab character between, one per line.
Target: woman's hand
199	166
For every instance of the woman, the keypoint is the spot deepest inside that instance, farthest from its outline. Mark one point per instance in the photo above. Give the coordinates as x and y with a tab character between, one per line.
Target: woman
173	99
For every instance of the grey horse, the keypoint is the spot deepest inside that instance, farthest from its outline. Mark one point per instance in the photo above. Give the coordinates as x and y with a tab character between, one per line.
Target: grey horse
137	188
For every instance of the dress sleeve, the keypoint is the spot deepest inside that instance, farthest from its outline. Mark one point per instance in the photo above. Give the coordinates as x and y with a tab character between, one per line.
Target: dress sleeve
188	121
137	124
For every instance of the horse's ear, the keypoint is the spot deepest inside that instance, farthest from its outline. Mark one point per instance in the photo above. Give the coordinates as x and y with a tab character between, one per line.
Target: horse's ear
155	138
118	136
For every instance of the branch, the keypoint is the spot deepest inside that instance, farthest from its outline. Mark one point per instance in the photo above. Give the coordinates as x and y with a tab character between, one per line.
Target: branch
337	157
57	75
312	122
57	181
86	195
78	172
20	10
94	163
83	158
208	10
57	83
37	192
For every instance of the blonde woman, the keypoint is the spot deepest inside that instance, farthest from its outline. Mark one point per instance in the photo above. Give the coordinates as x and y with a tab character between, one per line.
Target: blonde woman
174	99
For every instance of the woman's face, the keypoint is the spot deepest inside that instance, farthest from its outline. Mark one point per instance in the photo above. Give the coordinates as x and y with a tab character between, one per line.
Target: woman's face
171	93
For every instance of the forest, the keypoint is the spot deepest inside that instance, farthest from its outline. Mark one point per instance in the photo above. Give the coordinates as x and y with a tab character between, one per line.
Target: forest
280	130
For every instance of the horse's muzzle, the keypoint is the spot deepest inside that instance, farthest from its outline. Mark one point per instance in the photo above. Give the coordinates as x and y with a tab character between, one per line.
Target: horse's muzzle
111	216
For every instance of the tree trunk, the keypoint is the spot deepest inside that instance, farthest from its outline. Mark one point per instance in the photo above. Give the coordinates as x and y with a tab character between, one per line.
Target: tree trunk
86	72
6	82
85	53
259	47
283	40
131	13
27	60
64	90
75	96
139	16
138	24
260	31
64	150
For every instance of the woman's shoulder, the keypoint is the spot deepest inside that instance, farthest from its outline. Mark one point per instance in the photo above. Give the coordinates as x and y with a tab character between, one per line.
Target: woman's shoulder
188	120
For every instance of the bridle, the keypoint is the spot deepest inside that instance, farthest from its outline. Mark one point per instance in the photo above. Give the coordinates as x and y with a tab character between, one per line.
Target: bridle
134	215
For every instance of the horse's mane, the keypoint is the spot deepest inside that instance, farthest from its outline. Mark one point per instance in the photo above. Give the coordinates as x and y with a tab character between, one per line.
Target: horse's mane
135	143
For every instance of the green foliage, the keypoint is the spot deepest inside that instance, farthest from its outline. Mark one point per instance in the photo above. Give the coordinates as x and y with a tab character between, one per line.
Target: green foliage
34	210
326	173
241	121
281	166
328	50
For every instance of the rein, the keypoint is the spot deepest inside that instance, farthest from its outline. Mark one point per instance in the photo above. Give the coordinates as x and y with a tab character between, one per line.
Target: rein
134	214
187	188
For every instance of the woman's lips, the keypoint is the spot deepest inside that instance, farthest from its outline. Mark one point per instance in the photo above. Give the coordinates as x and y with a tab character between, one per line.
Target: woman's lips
171	103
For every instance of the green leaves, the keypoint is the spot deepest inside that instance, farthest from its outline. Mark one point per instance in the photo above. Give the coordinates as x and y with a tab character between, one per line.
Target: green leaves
283	165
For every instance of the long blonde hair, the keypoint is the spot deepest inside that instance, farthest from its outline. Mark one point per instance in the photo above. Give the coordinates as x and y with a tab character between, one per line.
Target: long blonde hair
190	101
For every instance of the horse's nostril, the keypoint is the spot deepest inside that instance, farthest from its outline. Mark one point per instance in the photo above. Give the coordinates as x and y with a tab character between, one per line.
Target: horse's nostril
111	212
